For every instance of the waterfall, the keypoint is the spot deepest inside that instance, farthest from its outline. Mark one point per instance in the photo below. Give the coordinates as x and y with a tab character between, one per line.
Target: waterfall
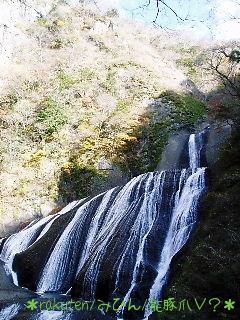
112	213
183	220
195	145
118	244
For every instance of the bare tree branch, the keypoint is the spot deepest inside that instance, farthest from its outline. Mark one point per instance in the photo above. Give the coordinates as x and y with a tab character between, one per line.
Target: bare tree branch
224	62
167	6
31	7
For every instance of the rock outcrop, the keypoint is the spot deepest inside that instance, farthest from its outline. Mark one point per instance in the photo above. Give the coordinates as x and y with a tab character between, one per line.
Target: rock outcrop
215	135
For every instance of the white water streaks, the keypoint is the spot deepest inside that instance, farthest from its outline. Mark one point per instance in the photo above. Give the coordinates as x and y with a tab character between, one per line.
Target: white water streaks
58	266
53	315
195	145
183	220
62	259
22	240
10	312
128	214
144	223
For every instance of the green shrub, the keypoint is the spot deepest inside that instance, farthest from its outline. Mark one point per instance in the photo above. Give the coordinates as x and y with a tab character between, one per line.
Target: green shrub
139	150
52	116
193	50
79	181
187	109
65	80
110	83
86	74
155	136
122	105
188	63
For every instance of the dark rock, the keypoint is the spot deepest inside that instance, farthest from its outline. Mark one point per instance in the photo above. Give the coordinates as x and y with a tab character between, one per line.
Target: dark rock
218	136
8	290
215	135
172	155
105	164
28	264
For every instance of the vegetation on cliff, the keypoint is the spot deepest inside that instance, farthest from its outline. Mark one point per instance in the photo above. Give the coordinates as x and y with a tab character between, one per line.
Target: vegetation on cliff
79	93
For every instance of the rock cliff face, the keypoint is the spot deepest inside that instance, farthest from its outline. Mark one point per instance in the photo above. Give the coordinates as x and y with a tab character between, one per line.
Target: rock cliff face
216	136
10	292
171	156
219	135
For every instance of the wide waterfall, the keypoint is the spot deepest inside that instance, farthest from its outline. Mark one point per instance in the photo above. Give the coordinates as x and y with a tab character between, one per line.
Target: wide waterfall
119	244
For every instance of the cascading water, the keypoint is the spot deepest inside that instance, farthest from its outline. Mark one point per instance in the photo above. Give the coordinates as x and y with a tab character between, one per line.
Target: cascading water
183	219
195	145
25	238
117	244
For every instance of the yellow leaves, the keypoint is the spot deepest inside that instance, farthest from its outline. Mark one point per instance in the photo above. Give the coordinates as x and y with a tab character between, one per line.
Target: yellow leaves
60	23
132	139
23	189
39	154
121	136
88	144
67	166
125	137
35	158
133	123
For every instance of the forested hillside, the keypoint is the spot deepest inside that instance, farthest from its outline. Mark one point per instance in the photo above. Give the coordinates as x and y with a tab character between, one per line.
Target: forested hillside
88	100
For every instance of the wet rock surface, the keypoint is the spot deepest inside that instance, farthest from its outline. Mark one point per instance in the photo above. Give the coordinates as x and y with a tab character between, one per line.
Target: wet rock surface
215	137
10	292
